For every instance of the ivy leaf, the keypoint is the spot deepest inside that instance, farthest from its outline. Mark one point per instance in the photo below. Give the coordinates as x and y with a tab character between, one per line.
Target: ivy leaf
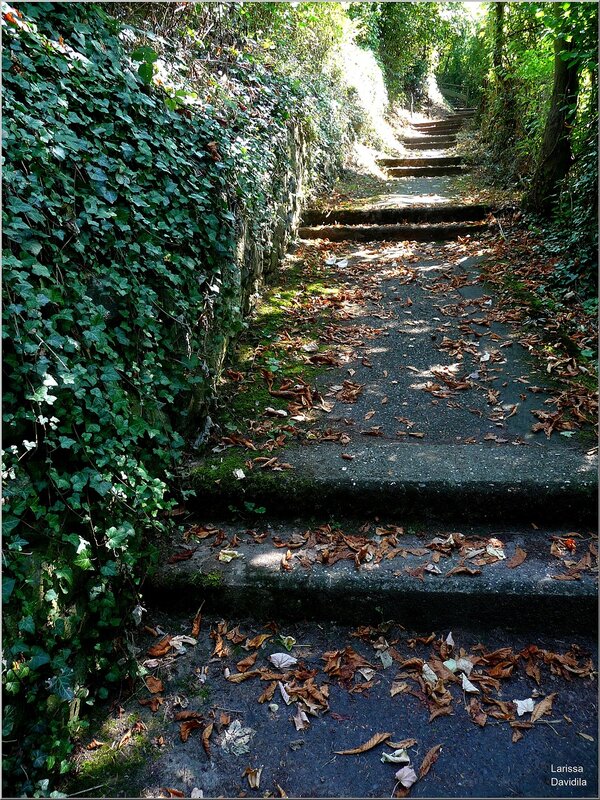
146	72
8	721
117	537
8	584
144	53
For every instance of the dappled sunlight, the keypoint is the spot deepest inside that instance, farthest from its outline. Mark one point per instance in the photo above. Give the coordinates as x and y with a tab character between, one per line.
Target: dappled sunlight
419	327
397	199
266	560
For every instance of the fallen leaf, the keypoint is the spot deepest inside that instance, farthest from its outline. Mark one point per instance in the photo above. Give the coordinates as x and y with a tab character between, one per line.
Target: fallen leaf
397	757
172	792
518	558
181	716
258	640
196	623
206	738
403	745
524	706
186	728
586	736
406	777
154	685
284	695
463	569
376	739
301	720
253	776
440	711
430	758
183	555
476	713
468	686
543	707
161	648
282	660
228	555
152	702
94	744
245	664
239	677
236	739
268	692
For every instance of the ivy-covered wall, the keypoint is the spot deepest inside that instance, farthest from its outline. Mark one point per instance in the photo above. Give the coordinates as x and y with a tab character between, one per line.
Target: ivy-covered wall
136	228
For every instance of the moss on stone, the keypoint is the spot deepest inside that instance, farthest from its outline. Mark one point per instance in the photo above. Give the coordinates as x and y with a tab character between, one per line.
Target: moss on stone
114	769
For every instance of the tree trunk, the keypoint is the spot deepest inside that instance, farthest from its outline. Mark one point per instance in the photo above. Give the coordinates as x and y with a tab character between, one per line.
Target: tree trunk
555	156
498	39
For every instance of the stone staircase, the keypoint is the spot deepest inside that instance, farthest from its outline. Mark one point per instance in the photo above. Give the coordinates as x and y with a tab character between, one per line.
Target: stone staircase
527	491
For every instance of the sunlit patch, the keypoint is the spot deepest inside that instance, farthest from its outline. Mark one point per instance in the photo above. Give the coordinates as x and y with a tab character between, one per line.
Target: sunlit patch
266	559
415	327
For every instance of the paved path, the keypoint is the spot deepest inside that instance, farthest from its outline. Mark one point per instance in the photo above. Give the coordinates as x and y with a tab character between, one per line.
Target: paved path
413	496
433	391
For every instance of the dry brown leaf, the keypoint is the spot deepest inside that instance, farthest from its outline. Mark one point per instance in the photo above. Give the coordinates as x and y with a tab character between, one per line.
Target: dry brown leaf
253	776
186	728
94	744
206	738
152	702
430	758
196	623
154	685
238	677
172	792
182	716
398	688
440	711
124	739
518	558
476	713
543	707
161	648
463	569
235	635
245	664
403	745
376	739
268	692
258	640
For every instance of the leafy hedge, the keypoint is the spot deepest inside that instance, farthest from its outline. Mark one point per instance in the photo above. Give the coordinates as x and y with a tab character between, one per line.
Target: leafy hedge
119	261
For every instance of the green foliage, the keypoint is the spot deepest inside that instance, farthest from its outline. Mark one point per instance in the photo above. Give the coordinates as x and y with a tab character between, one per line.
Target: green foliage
120	270
515	97
404	37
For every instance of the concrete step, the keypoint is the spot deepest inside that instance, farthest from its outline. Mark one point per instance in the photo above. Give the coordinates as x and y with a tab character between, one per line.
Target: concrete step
430	142
449	131
474	761
391	216
471	482
427	172
412	233
326	574
431	161
438	127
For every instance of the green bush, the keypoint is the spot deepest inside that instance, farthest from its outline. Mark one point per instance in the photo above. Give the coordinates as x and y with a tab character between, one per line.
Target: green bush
121	207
